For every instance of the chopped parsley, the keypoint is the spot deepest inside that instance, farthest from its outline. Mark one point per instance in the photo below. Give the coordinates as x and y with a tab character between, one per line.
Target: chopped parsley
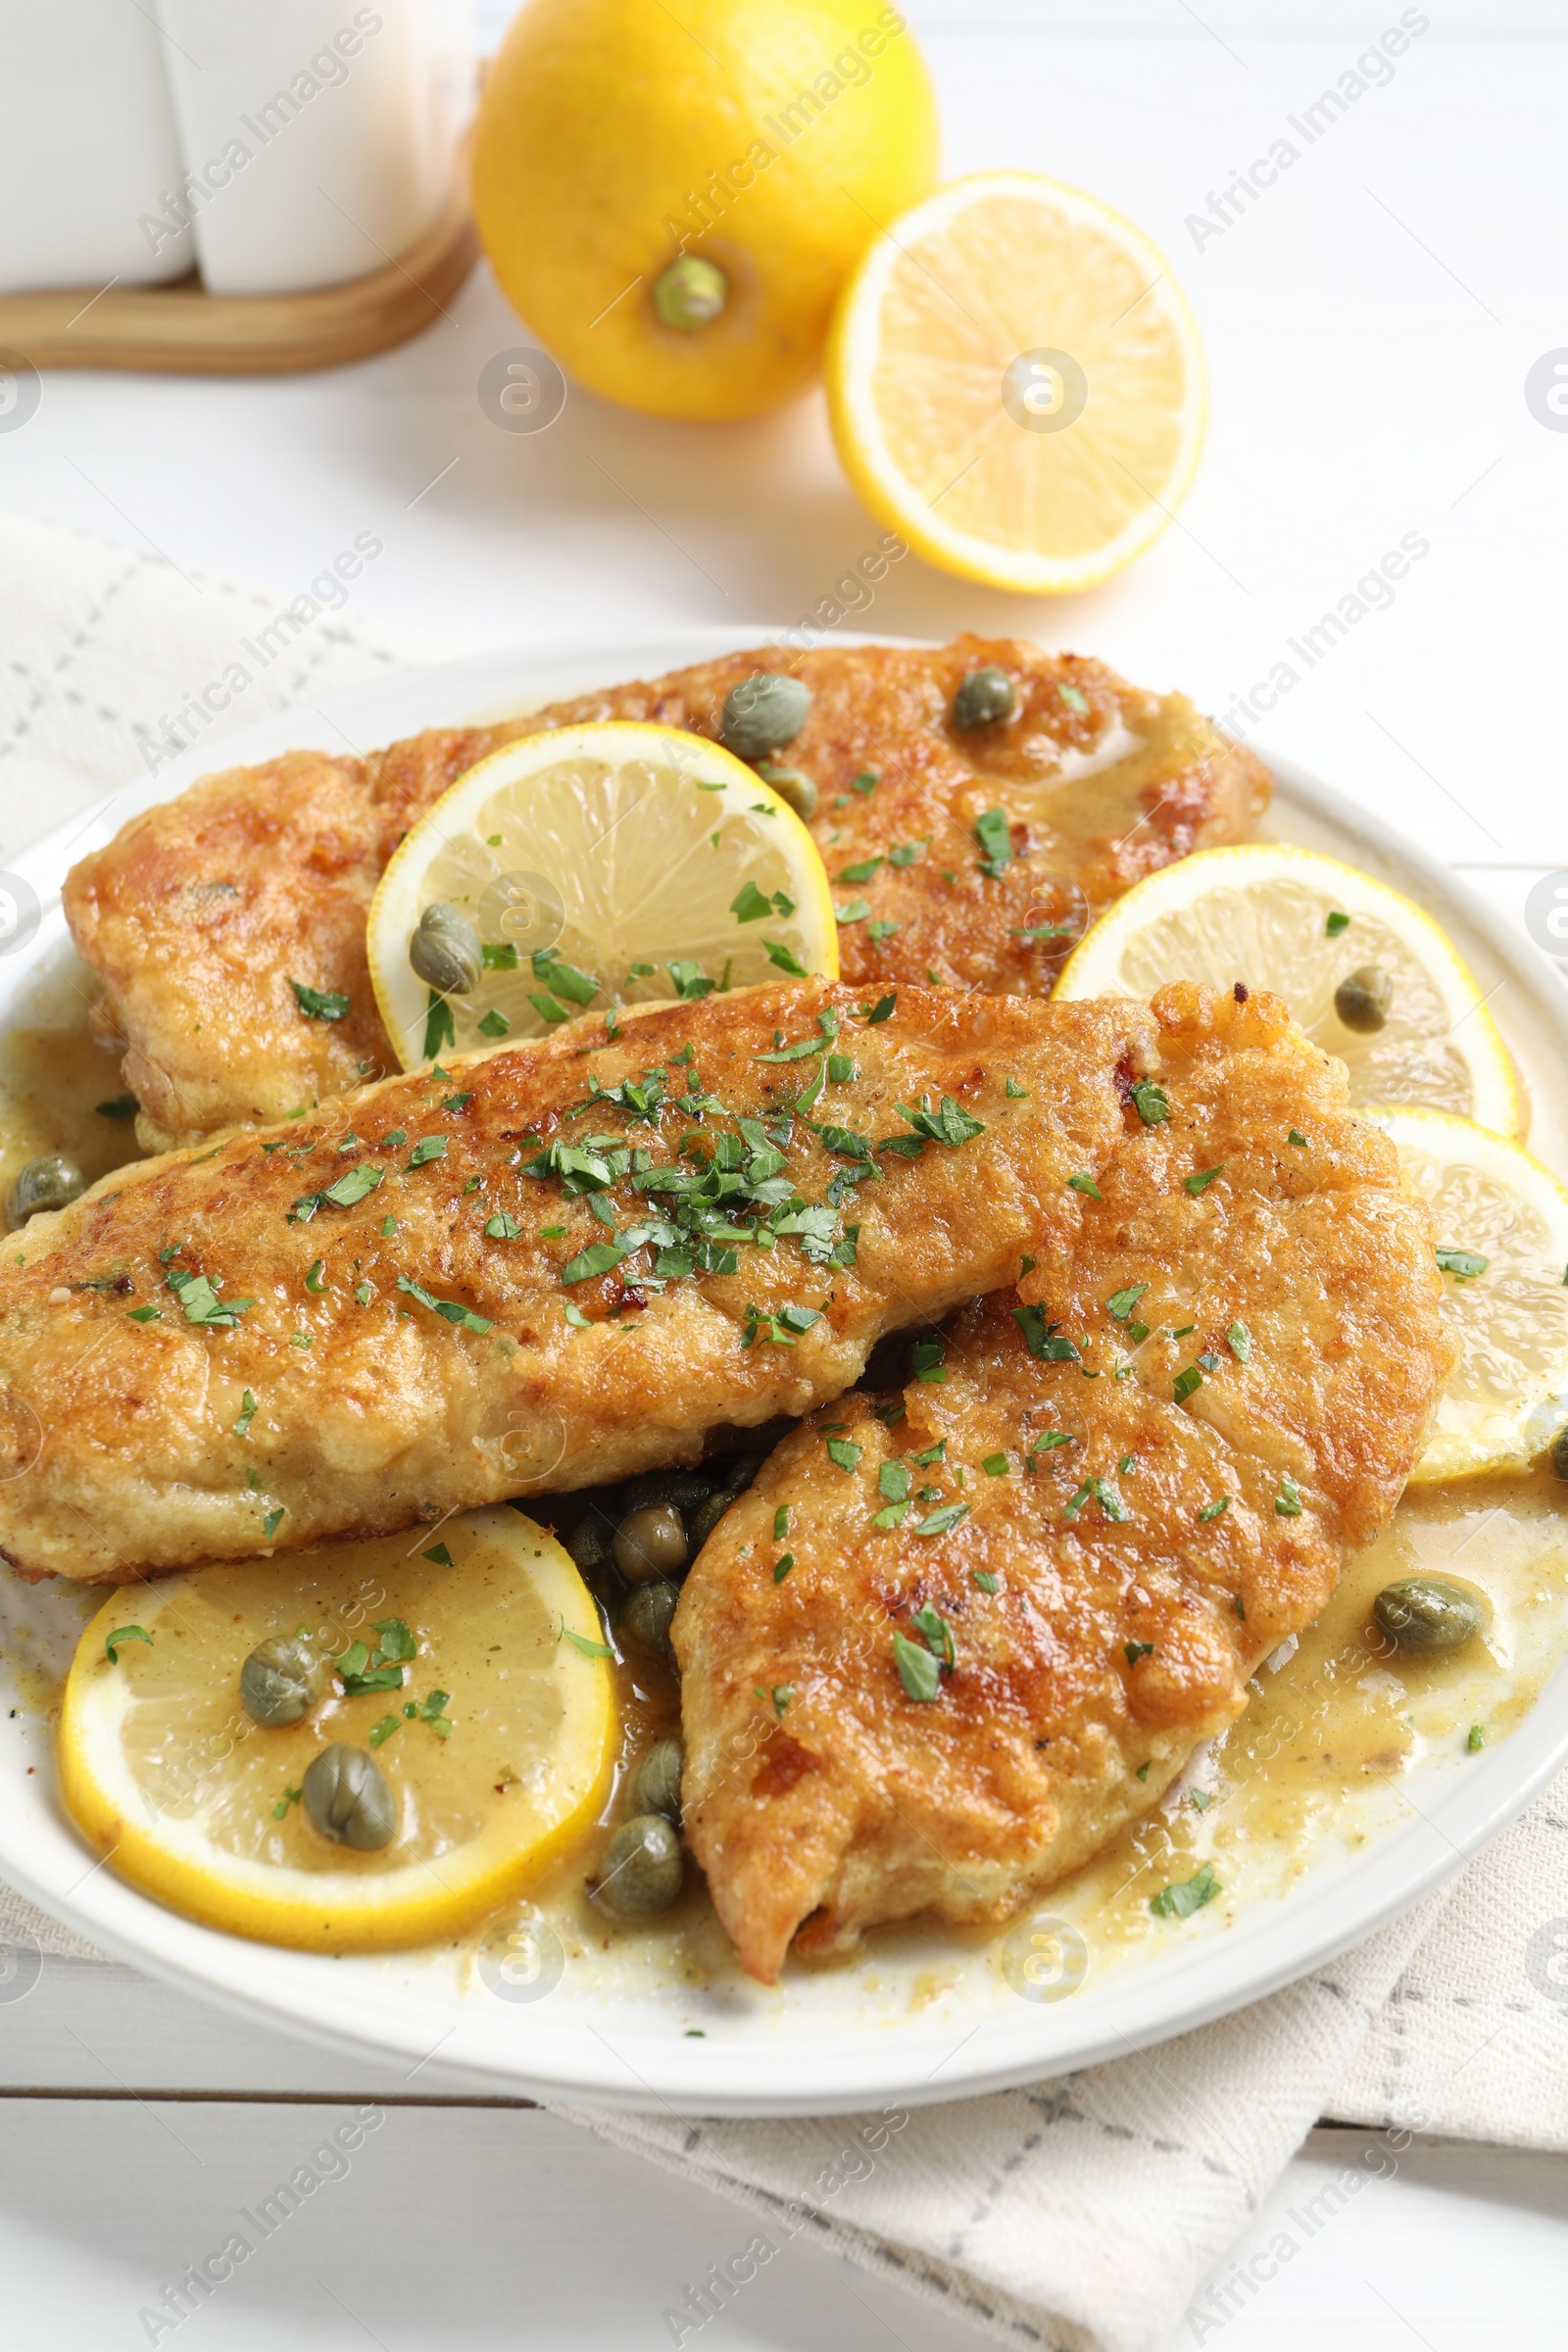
784	957
1150	1102
290	1796
1043	1339
782	1567
202	1304
984	1578
247	1414
495	1023
463	1316
1087	1185
1335	924
1096	1489
926	1363
1184	1897
1186	1383
580	1641
919	1671
1477	1737
428	1148
1214	1509
995	835
1120	1305
1134	1651
862	872
1288	1502
1073	699
1239	1341
138	1314
841	1451
893	1482
503	1227
1466	1263
938	1523
121	1107
1201	1177
600	1257
995	1465
1297	1139
439	1028
271	1523
124	1633
883	1010
439	1553
319	1004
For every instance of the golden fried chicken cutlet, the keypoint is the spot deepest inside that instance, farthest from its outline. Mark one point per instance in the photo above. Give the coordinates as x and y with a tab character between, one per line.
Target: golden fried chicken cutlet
551	1266
200	914
1202	1399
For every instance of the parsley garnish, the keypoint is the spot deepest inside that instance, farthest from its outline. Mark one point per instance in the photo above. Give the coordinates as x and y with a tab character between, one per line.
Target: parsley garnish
995	835
841	1451
1202	1179
580	1641
1087	1185
1466	1263
1298	1140
319	1004
290	1796
1240	1345
883	1010
1096	1489
919	1671
247	1414
1335	924
1150	1102
1187	1895
124	1633
1288	1502
995	1465
782	1567
271	1523
123	1106
463	1316
1186	1383
937	1523
202	1304
1134	1651
428	1148
985	1580
1043	1338
1213	1510
1120	1304
501	1228
495	1023
439	1027
893	1482
439	1553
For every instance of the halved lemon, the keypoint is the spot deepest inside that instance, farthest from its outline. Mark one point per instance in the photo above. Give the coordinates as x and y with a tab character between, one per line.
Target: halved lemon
1503	1242
194	1802
1301	924
1017	384
601	866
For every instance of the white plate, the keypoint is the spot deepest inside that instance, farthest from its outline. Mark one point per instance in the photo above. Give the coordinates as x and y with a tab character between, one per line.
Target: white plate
852	2037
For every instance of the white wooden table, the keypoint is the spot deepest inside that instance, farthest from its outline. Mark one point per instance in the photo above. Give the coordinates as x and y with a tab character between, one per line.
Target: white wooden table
1372	319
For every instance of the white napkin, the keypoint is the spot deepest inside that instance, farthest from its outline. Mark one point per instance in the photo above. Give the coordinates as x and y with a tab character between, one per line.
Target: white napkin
1086	2214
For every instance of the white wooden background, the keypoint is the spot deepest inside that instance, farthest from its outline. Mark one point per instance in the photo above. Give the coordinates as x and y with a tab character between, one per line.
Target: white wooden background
1371	323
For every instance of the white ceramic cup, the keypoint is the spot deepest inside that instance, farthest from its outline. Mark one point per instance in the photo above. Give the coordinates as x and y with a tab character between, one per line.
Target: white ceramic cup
318	134
87	139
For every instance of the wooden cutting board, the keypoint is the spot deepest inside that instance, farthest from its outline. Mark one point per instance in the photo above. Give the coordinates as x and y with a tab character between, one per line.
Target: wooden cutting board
183	329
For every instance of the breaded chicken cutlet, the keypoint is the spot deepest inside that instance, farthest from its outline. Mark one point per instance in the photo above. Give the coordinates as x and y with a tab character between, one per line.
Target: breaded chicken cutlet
1202	1399
200	914
553	1266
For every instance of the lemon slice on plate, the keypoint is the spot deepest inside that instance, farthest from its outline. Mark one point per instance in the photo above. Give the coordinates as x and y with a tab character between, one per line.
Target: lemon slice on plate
486	1628
1503	1242
598	866
1304	925
1017	385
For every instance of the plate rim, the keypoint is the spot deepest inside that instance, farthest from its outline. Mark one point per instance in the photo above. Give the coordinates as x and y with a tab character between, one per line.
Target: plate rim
767	2074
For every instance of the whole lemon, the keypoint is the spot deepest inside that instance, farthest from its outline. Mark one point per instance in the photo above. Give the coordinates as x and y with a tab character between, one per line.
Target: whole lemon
672	197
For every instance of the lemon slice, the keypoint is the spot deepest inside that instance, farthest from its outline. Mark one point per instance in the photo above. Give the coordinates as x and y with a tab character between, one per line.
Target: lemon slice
602	865
1274	916
1502	1235
198	1805
1017	384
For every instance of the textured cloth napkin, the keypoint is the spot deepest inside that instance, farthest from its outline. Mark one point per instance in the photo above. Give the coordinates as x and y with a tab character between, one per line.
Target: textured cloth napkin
1084	2214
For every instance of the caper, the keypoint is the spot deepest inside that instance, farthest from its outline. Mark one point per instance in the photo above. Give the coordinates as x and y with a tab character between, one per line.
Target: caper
650	1544
682	1487
690	293
280	1681
347	1798
655	1783
792	785
587	1544
646	1618
762	711
701	1522
1363	998
446	951
640	1871
739	1472
982	697
1559	1452
1428	1612
52	1182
